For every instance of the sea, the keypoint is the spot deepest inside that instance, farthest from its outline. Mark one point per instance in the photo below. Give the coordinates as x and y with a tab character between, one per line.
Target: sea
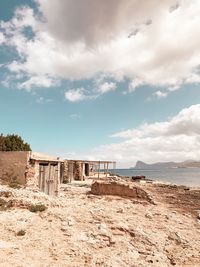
178	176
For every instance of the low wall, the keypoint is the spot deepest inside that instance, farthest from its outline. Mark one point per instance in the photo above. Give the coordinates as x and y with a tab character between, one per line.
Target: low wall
118	189
13	165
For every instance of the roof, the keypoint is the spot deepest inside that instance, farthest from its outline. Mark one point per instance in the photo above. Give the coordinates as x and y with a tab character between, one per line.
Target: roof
43	157
91	161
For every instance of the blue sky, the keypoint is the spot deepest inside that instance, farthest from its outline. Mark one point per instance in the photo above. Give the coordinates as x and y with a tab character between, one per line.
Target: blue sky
124	89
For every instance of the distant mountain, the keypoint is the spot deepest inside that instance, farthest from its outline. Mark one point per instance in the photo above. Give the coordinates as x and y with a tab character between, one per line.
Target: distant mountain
161	165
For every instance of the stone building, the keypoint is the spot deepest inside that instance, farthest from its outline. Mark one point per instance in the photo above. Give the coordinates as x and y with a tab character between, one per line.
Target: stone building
45	173
31	169
79	170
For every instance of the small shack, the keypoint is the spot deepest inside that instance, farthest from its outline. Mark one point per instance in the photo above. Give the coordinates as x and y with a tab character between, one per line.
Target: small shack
45	173
31	169
81	169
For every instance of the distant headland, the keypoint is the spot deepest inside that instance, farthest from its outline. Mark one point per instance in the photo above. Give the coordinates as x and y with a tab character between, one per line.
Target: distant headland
161	165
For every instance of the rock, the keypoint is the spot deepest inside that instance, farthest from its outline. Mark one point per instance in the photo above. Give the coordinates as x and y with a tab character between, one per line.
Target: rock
70	222
138	177
103	228
120	211
64	226
177	238
122	189
149	215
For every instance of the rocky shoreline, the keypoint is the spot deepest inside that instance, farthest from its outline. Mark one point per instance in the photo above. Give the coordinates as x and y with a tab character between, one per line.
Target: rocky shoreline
79	228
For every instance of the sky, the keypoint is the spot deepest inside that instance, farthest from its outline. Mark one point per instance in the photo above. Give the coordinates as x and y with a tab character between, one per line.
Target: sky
106	80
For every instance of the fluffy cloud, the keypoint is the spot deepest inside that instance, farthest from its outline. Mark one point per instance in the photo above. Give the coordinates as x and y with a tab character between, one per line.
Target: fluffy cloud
160	94
2	38
76	95
154	42
173	140
38	81
107	87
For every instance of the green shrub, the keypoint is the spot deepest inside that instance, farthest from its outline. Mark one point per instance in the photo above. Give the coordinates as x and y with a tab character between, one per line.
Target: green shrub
13	142
37	207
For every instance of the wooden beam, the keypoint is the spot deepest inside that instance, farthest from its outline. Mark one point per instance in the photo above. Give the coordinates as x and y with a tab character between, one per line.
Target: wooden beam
99	169
107	170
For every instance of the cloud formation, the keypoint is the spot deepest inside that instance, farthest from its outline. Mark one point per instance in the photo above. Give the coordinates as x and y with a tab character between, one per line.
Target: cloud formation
106	87
150	42
173	140
76	95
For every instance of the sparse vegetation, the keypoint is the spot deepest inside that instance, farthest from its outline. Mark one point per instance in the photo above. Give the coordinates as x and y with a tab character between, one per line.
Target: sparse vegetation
14	184
3	204
10	180
37	208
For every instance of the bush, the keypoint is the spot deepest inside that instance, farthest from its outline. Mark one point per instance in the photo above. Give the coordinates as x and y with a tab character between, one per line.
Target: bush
3	205
14	183
37	207
13	142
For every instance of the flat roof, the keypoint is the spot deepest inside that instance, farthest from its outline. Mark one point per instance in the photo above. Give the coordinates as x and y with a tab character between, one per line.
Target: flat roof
91	161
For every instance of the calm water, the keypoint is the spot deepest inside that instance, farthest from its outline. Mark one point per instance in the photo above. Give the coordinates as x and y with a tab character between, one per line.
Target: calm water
179	176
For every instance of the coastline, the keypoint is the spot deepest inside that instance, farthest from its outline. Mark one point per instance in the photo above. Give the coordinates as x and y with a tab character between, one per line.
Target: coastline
180	176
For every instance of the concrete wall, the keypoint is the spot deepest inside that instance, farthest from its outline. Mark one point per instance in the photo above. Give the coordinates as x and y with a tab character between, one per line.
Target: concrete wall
13	165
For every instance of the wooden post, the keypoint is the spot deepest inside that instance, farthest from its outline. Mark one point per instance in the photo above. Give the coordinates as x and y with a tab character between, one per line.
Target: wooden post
82	171
99	169
107	170
114	167
58	178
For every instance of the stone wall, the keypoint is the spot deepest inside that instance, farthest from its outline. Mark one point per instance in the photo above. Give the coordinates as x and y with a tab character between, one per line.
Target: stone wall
32	174
78	171
13	165
119	189
66	178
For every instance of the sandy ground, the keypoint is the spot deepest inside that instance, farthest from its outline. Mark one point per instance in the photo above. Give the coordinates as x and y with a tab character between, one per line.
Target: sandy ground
80	229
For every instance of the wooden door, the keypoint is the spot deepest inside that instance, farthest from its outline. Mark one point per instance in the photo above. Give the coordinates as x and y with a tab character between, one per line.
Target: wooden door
48	178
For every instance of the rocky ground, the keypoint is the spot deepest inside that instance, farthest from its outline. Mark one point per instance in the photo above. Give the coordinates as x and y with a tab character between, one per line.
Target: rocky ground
80	229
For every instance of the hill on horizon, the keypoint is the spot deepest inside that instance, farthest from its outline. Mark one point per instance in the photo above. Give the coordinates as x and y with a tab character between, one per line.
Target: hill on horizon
160	165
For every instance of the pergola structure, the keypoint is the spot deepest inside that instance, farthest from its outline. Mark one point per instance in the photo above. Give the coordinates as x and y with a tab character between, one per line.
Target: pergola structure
94	166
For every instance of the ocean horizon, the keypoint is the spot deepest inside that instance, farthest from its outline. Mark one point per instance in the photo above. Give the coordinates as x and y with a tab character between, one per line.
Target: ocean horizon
178	176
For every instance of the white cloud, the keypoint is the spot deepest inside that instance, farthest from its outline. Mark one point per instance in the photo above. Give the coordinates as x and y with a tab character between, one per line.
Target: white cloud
134	84
174	140
162	48
160	94
107	87
38	81
186	122
76	95
2	38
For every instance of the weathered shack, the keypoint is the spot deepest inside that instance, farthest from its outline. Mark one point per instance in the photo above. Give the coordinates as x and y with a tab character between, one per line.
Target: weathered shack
81	169
45	173
31	169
